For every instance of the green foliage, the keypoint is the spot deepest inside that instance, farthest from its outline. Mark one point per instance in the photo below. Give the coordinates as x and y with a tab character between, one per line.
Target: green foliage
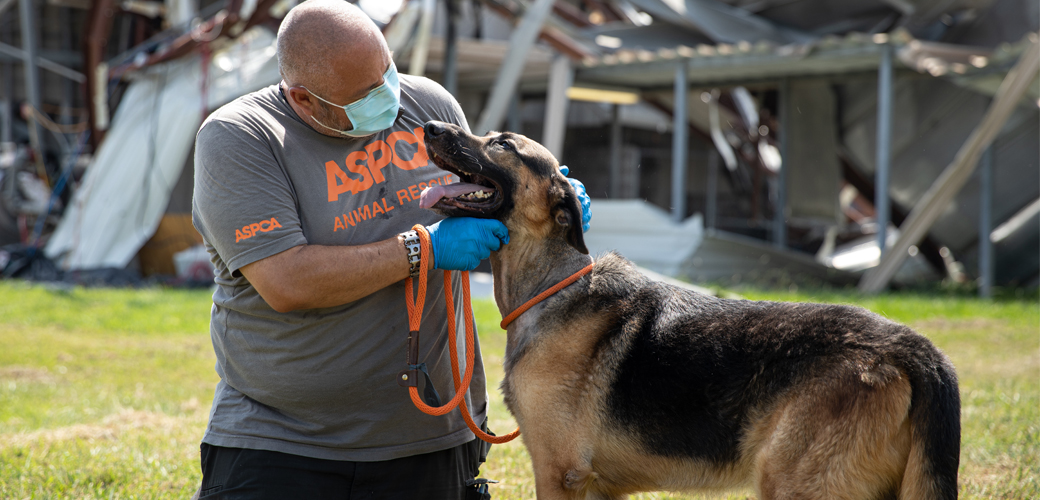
104	393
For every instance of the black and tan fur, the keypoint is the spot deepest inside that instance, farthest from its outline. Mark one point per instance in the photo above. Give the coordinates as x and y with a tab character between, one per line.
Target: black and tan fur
622	384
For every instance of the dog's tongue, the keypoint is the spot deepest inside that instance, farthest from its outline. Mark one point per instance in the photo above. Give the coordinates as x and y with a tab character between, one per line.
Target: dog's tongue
431	195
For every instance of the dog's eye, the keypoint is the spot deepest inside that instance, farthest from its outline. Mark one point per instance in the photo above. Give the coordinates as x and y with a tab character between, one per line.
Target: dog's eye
505	144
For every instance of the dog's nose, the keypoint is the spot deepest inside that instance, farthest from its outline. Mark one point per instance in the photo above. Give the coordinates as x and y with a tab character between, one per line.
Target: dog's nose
434	129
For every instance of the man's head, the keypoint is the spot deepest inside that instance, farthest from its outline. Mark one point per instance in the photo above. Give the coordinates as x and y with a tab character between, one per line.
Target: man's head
331	49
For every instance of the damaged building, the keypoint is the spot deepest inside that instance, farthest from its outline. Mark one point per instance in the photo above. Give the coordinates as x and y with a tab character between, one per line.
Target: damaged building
874	144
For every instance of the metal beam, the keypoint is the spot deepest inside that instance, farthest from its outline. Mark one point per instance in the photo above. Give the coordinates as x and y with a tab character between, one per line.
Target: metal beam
30	44
4	5
95	37
561	75
615	151
721	22
851	171
399	32
883	154
43	63
939	195
986	224
520	44
417	64
513	121
7	80
554	36
680	143
780	222
711	211
450	73
31	71
68	91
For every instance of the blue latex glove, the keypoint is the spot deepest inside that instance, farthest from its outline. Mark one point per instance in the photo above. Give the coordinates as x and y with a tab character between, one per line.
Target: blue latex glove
460	243
583	198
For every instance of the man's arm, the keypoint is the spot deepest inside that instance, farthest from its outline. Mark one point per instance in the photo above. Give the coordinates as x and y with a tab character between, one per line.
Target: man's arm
314	276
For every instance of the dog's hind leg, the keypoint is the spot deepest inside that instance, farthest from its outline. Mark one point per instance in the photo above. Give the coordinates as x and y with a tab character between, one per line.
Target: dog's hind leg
842	437
560	472
579	480
552	481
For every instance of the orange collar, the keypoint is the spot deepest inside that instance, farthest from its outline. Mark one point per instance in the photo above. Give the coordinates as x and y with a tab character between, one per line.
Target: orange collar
544	295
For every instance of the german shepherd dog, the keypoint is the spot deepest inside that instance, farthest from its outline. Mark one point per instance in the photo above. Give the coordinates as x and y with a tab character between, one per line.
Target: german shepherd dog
621	384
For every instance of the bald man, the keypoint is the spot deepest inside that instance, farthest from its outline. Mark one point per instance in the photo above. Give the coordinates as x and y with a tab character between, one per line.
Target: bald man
305	193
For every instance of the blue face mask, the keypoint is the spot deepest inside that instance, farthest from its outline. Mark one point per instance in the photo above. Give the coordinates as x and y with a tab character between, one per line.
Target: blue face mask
374	112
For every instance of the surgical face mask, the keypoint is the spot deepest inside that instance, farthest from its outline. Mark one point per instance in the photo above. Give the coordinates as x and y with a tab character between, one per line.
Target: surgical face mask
374	112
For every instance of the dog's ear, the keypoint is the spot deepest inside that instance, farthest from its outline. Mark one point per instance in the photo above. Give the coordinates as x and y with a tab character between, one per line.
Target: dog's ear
568	214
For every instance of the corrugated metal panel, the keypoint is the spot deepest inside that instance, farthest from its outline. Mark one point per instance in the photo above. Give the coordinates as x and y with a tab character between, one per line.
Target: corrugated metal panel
739	63
730	259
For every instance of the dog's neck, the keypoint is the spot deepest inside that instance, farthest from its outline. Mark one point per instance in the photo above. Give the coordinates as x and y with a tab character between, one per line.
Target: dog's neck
528	266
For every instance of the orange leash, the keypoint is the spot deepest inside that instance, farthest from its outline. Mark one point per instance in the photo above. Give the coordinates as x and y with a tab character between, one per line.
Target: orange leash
415	308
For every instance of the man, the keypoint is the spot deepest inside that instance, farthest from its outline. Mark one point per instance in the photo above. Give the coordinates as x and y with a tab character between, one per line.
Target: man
304	193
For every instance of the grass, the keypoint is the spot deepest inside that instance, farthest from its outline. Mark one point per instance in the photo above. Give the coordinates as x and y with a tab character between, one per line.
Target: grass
105	393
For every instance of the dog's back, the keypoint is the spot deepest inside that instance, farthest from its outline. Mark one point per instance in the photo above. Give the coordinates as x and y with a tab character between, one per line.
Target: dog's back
810	400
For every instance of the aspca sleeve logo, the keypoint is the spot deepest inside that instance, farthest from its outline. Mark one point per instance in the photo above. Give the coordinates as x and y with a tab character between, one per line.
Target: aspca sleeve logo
365	167
248	231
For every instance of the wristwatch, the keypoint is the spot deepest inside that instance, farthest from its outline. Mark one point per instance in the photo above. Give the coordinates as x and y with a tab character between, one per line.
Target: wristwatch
411	243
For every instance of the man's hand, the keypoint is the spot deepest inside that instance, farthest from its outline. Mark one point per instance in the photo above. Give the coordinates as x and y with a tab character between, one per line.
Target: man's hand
460	243
583	198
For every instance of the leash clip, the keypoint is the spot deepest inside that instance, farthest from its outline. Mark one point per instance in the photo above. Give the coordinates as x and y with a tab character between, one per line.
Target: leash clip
410	378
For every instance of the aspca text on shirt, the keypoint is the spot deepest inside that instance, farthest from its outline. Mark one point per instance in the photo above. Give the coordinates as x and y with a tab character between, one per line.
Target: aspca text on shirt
363	170
367	167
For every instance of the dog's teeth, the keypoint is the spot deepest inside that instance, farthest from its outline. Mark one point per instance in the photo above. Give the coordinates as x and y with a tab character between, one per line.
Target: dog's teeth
476	195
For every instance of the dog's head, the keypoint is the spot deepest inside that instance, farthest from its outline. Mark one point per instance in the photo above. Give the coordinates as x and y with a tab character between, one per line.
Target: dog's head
504	176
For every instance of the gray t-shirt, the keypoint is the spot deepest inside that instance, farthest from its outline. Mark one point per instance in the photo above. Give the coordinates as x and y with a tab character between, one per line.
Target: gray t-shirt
322	382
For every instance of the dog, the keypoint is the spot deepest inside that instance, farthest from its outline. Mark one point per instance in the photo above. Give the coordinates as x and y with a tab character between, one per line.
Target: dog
621	384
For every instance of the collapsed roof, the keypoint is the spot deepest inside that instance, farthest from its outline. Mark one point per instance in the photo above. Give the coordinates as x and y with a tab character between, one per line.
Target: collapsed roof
950	58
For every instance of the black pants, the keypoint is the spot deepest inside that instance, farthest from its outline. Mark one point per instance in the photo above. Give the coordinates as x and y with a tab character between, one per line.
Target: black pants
235	473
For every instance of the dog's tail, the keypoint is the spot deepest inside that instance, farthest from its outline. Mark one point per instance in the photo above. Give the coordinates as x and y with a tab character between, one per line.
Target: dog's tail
935	426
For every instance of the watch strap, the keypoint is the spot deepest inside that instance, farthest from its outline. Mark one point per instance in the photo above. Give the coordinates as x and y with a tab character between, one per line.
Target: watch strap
411	243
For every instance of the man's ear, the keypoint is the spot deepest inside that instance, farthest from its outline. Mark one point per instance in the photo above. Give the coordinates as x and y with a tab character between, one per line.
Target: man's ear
568	214
301	98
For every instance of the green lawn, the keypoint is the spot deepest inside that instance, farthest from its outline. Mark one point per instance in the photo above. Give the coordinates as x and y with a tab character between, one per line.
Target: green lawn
105	393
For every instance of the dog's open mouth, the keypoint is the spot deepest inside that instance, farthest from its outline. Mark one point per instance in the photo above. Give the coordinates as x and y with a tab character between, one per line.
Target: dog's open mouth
475	193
